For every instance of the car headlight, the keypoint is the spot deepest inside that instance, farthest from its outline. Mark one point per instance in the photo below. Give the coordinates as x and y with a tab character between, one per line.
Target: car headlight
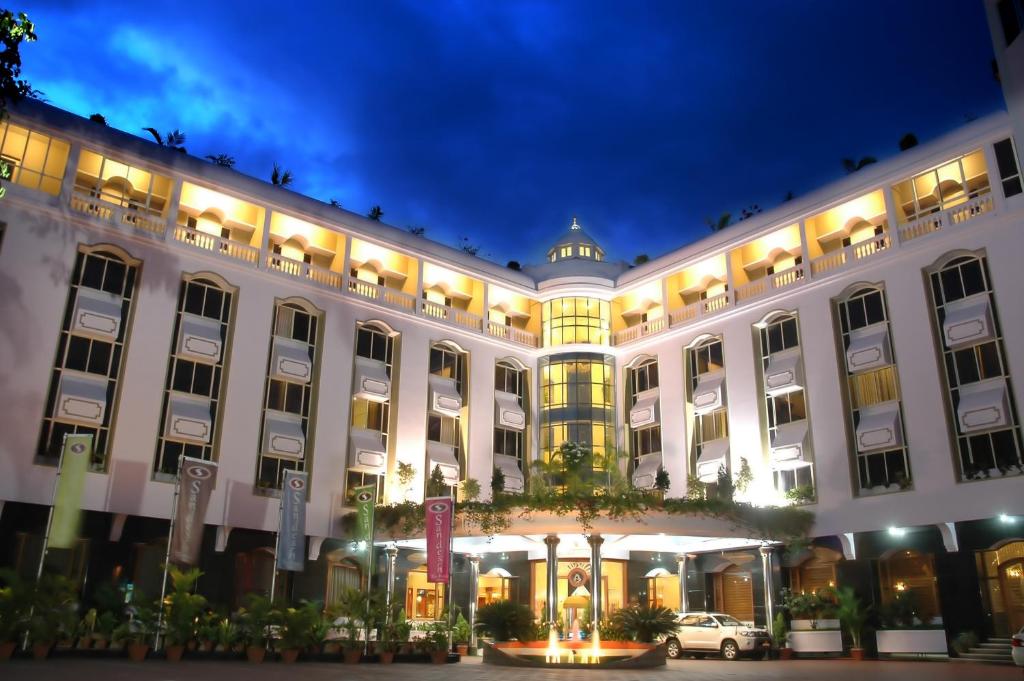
749	634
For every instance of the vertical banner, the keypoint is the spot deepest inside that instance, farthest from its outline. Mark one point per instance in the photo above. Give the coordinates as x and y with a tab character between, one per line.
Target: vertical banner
366	498
67	499
195	484
291	535
439	536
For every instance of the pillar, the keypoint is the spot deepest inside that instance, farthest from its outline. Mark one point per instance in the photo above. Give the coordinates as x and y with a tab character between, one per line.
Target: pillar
474	585
682	560
551	541
389	595
596	606
769	591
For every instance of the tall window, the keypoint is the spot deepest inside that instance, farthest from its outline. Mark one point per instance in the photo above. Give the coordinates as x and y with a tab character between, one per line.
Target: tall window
786	407
645	428
576	320
371	405
949	185
286	434
195	383
121	184
988	440
33	160
873	392
1009	168
445	423
576	402
90	353
706	390
510	441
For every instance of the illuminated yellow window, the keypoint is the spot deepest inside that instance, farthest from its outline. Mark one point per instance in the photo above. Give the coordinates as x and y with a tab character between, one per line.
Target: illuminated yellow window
576	320
33	160
121	184
566	251
950	184
585	251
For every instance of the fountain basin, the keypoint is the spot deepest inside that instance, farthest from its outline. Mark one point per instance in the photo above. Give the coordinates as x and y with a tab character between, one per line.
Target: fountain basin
575	655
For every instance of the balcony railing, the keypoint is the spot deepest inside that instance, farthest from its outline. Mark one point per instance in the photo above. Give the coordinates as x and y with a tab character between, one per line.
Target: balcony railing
700	309
118	215
848	254
951	216
304	270
513	334
773	282
466	320
219	245
648	328
382	295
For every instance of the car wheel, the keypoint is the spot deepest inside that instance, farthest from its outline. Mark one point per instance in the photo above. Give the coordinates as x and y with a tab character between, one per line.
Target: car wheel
673	649
730	651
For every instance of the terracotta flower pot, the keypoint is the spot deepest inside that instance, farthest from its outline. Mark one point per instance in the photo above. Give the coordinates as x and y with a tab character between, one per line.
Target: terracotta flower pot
289	655
174	653
100	643
206	646
352	656
462	649
785	653
386	656
856	653
255	654
332	648
438	656
137	651
40	651
6	650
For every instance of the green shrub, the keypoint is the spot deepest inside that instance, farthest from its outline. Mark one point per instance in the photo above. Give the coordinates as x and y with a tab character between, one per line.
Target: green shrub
644	624
505	620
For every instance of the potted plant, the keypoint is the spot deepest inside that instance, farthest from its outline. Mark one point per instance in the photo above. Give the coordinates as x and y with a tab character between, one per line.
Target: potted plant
53	615
908	628
228	636
853	616
394	634
106	622
254	622
505	620
298	629
14	608
460	635
780	634
643	623
86	628
352	610
436	643
814	628
181	611
206	631
136	633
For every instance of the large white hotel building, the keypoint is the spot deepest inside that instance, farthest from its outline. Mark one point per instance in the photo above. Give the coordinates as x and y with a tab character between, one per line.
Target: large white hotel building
859	349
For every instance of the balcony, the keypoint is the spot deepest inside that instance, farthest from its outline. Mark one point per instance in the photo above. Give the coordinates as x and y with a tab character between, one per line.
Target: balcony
382	295
642	330
847	255
304	270
452	315
787	278
225	248
121	216
511	333
951	216
700	309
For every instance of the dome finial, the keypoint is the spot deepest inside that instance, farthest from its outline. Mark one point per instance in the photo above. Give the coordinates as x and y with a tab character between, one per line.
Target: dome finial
575	226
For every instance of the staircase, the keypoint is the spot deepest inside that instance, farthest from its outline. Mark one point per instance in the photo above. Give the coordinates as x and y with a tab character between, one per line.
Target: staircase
992	651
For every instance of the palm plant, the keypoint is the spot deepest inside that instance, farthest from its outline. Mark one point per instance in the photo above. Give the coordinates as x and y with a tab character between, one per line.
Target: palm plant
255	620
505	620
852	615
851	166
300	627
15	602
281	178
376	213
723	221
643	623
182	607
221	160
172	140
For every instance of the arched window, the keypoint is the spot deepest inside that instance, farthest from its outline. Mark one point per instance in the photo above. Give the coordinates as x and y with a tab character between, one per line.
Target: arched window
372	393
709	451
910	572
447	402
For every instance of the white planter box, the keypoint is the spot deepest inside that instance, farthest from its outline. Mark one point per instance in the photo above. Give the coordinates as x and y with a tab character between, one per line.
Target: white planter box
813	625
827	641
920	641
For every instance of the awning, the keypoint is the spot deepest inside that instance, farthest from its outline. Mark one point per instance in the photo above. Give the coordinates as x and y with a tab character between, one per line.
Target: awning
199	339
983	405
646	471
290	361
97	314
372	382
283	436
440	454
968	321
576	602
783	373
645	411
444	398
869	348
507	412
81	398
788	445
188	418
709	393
879	427
509	466
366	452
713	455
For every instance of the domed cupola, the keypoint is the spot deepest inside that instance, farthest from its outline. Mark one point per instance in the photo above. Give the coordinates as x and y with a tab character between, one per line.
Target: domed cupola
575	244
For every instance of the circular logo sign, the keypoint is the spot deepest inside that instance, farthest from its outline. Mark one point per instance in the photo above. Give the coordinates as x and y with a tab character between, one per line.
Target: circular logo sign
297	484
198	472
78	448
363	497
577	577
438	507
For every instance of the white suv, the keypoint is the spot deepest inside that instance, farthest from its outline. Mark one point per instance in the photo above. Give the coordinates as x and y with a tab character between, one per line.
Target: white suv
715	632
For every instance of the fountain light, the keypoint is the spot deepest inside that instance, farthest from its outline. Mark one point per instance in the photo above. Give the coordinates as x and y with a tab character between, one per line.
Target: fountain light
553	653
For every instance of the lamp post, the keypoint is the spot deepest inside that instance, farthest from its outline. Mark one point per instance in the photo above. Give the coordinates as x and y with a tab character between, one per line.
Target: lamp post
551	542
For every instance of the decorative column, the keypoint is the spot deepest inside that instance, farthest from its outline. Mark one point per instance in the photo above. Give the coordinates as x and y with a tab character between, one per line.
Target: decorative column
682	560
551	541
769	590
392	553
474	586
596	606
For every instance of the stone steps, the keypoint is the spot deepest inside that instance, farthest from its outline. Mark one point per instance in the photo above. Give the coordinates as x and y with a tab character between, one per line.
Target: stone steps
992	651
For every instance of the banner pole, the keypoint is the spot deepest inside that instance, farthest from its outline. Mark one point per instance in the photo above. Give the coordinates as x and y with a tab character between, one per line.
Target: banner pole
451	567
277	541
369	567
167	554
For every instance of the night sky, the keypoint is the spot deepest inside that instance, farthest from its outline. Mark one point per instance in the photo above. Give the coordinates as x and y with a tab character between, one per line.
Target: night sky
498	121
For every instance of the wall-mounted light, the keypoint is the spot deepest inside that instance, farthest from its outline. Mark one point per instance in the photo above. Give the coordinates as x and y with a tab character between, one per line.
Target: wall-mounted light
1007	519
900	586
897	531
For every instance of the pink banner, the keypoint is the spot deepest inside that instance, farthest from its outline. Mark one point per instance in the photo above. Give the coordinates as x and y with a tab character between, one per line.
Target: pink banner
439	536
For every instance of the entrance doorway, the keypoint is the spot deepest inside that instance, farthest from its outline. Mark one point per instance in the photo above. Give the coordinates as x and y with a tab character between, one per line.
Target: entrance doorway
734	589
1001	572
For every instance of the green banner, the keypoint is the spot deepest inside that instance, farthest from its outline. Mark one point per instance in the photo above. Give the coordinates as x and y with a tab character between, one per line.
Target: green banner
67	500
366	497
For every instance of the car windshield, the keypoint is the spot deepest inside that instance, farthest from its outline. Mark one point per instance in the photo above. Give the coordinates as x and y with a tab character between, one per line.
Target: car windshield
729	621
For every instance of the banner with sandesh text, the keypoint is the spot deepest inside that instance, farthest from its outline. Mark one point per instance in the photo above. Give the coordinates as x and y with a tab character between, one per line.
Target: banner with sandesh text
194	488
291	538
366	499
439	535
67	500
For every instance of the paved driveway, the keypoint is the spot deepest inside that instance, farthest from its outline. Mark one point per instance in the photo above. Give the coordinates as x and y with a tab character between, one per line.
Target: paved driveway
472	670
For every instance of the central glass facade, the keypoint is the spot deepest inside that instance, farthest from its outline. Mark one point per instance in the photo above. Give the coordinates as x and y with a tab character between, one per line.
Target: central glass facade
576	320
577	402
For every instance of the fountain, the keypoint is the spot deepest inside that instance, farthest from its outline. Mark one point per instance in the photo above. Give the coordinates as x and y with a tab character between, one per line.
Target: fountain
557	654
